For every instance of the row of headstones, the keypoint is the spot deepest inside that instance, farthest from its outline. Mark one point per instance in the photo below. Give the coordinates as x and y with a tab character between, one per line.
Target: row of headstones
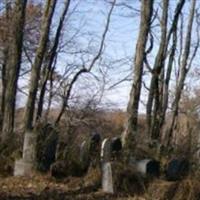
175	170
26	165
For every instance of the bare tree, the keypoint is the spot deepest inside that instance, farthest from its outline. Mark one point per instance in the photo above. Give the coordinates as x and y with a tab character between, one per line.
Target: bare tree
184	68
158	67
158	92
36	67
85	69
5	37
13	68
51	58
131	130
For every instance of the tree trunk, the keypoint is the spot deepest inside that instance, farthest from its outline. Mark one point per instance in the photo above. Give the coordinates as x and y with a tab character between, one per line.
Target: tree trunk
131	129
158	92
167	78
5	58
36	68
13	68
158	67
183	71
50	94
51	59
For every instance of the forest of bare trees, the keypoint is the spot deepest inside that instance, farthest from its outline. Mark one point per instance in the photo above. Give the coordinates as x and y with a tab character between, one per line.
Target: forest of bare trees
99	99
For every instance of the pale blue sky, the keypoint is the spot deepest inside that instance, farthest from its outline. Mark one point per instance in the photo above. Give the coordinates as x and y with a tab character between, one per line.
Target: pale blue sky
88	20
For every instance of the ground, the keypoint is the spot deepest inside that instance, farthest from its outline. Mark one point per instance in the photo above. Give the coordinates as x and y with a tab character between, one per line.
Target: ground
39	187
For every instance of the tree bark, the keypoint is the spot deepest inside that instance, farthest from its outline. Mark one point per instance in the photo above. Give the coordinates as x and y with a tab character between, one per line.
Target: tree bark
154	85
183	71
158	92
51	59
36	67
131	129
13	65
5	58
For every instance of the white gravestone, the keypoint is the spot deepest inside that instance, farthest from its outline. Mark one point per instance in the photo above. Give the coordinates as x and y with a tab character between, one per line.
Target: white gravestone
25	166
107	180
106	150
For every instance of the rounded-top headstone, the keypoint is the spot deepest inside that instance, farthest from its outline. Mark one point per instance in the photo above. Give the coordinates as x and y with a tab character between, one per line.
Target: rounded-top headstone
95	138
105	150
148	167
177	169
84	152
116	144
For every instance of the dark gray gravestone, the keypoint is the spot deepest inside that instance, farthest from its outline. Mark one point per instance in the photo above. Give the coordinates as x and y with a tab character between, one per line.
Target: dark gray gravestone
177	169
116	144
47	140
85	154
95	138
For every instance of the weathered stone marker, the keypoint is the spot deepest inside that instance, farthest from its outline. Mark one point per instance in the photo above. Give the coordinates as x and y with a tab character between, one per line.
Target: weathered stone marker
24	166
84	154
106	150
146	167
107	180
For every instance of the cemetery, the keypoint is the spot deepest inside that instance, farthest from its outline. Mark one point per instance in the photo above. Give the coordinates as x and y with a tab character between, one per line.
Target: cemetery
99	100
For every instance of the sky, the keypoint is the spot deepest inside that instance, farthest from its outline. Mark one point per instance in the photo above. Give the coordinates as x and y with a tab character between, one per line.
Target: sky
86	19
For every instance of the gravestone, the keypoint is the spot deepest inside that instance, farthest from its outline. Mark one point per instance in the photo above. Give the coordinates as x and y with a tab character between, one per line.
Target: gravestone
84	155
107	181
177	169
106	150
95	138
146	167
47	139
116	144
24	166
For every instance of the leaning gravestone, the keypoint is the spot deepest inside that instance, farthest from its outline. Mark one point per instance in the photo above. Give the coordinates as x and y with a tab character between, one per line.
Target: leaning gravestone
106	150
107	180
25	165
